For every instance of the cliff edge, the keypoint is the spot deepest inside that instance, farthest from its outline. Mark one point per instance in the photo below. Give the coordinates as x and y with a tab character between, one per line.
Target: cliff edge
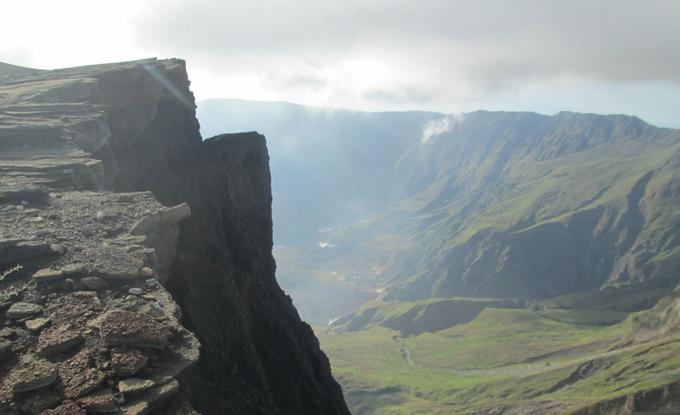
135	258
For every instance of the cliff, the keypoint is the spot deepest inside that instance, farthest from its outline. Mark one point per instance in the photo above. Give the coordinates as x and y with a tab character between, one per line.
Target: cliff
128	242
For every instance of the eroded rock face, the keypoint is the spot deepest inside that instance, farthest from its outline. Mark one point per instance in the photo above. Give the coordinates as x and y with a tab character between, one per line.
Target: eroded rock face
99	169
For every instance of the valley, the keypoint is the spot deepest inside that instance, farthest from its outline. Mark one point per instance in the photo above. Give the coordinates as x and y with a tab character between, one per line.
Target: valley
504	361
478	263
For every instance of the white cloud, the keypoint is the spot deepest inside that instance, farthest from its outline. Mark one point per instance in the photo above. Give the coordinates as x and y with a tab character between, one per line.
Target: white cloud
440	126
445	55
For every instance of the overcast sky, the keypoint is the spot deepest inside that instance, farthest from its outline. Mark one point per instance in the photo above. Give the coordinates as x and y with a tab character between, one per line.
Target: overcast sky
605	56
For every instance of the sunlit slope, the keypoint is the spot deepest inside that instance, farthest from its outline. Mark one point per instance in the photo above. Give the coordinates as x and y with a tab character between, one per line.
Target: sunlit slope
520	360
527	206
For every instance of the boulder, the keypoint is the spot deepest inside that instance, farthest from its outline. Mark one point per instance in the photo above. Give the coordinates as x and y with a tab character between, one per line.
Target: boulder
127	361
37	324
15	251
162	218
125	328
78	376
21	310
51	274
57	341
33	374
102	401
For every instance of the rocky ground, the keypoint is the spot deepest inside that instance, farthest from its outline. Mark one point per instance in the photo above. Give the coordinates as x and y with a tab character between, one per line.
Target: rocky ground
114	215
85	323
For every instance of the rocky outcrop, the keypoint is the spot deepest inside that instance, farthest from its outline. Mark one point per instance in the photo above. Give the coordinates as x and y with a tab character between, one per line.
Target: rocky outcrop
127	242
63	330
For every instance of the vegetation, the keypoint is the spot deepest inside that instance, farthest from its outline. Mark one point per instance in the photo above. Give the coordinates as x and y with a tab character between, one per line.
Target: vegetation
517	357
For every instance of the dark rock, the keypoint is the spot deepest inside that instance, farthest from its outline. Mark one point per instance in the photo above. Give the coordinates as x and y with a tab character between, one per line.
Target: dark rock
41	400
14	251
5	349
30	194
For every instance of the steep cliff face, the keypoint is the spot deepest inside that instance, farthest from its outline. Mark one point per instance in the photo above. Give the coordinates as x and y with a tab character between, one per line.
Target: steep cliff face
138	118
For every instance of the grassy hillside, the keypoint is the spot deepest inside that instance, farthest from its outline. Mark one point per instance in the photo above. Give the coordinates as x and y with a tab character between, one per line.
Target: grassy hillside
531	361
420	316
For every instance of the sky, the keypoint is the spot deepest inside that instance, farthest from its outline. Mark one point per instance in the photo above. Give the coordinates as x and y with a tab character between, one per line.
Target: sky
603	56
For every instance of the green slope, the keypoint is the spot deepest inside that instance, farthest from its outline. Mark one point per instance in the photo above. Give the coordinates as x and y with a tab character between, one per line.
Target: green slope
553	361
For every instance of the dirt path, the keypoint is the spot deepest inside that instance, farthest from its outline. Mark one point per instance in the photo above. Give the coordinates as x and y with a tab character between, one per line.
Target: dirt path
405	351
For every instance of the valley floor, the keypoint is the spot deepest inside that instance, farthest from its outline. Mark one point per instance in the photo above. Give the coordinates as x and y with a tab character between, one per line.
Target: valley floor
503	361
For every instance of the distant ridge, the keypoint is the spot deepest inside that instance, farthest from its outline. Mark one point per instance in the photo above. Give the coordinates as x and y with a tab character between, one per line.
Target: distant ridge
7	69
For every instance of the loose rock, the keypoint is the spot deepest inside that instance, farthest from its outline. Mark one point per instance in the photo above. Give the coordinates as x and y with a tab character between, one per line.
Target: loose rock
37	324
40	401
50	274
32	375
162	218
78	375
102	401
123	328
22	310
127	361
136	291
57	341
94	283
66	408
131	386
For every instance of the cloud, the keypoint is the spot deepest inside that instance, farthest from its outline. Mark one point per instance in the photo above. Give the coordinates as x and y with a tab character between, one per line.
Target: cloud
489	43
446	55
440	126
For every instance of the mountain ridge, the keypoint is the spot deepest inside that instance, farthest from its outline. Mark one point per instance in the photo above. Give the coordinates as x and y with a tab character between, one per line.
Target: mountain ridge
487	179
